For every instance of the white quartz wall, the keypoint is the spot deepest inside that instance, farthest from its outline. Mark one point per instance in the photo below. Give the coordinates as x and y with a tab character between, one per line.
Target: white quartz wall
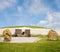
39	31
36	31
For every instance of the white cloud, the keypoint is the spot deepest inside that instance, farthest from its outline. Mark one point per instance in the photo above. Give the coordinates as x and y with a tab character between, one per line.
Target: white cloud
52	20
6	4
56	14
20	9
56	18
36	7
49	17
43	22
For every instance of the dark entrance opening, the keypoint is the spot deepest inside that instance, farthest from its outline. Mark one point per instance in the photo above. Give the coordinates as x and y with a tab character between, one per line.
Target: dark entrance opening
23	33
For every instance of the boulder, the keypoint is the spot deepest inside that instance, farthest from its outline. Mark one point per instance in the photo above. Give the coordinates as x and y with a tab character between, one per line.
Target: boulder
52	35
7	35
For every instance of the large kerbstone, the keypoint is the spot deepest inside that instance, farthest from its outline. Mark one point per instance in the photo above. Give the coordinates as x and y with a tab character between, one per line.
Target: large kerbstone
7	35
52	35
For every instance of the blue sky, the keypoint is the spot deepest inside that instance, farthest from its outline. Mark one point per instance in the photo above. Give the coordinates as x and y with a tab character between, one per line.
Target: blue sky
44	13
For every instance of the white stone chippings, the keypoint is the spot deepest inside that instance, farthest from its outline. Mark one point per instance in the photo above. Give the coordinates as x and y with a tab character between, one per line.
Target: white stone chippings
22	39
1	39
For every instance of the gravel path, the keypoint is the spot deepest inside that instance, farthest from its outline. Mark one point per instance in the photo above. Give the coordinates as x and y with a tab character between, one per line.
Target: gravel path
22	39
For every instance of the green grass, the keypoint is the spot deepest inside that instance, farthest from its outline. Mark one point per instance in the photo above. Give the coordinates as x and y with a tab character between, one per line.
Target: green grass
24	26
41	46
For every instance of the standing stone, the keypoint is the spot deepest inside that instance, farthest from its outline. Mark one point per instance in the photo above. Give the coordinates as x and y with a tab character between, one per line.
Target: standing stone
27	33
52	35
18	32
7	35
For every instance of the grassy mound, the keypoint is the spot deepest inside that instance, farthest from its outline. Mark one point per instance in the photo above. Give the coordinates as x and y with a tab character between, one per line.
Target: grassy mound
24	26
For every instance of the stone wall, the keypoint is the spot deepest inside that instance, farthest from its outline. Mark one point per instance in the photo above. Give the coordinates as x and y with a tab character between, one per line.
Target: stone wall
20	33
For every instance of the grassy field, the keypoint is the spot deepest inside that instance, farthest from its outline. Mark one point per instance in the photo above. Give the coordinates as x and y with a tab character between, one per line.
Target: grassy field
41	46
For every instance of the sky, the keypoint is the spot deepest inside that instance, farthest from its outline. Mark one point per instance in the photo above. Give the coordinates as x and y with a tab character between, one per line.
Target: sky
45	13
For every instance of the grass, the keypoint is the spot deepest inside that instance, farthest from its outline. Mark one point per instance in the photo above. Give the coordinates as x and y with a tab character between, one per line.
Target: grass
24	26
41	46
